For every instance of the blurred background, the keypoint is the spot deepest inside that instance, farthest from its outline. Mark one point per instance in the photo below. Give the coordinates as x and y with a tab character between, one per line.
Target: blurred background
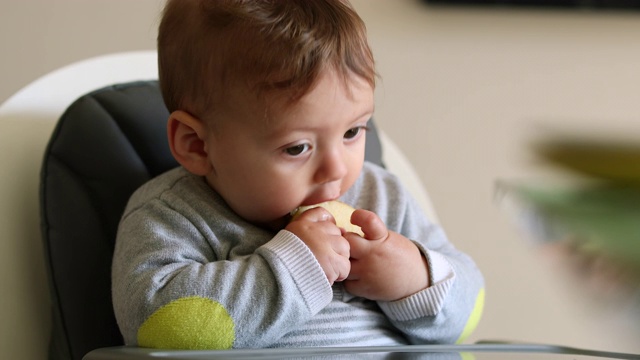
463	92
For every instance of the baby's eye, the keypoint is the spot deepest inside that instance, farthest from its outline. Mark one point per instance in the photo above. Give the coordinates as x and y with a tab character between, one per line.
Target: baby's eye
352	133
297	149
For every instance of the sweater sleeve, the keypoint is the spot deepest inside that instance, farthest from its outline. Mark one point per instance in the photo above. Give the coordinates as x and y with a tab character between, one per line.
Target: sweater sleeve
449	309
175	285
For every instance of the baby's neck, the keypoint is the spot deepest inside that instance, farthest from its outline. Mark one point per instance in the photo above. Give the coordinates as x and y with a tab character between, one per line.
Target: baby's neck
277	224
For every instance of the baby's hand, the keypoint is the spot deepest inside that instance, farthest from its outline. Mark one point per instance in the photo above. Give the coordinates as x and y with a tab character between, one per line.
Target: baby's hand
317	229
384	265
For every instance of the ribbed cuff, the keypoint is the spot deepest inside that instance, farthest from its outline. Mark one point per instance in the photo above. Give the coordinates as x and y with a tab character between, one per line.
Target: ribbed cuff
429	301
439	267
303	268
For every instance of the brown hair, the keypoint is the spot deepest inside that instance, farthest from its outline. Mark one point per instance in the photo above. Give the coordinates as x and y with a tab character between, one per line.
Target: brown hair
205	46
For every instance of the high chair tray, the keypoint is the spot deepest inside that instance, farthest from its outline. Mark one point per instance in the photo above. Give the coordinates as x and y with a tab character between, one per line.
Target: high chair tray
480	351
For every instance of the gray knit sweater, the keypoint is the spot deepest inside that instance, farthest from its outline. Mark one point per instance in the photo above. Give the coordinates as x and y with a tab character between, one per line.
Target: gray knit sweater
189	273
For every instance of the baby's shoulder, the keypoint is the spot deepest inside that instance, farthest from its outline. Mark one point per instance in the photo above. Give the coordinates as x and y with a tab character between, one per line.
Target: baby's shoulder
373	184
170	186
374	175
157	185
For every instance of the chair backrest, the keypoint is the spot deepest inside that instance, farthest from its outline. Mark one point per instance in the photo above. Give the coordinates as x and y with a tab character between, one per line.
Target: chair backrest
105	145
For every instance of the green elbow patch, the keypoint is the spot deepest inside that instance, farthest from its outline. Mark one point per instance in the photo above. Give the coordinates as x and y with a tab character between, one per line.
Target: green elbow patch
193	323
474	318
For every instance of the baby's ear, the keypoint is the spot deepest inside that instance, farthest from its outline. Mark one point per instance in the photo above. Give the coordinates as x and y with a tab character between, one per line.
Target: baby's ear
187	140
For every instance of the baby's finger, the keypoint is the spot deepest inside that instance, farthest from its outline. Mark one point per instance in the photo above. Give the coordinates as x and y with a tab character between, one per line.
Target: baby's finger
341	247
370	223
317	214
342	267
358	246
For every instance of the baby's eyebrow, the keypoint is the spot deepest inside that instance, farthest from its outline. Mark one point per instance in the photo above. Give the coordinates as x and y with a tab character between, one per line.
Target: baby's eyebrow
277	133
272	129
369	111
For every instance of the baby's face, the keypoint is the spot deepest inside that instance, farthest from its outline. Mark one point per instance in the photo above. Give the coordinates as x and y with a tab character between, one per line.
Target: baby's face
303	154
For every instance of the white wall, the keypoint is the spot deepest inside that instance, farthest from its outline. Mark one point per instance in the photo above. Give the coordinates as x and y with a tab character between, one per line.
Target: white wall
462	92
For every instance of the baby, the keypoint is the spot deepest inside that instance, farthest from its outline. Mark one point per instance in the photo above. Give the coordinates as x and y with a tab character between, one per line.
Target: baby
269	103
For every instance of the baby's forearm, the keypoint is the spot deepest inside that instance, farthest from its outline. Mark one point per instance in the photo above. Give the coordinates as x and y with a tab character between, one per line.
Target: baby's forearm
189	285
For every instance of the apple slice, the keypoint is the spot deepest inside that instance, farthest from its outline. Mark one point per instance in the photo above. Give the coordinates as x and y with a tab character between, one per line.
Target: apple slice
341	213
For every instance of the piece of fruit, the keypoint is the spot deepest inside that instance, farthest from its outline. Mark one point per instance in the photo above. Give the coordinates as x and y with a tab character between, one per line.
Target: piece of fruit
341	213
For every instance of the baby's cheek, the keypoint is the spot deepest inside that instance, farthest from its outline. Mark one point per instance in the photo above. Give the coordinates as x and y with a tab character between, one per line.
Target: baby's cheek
193	323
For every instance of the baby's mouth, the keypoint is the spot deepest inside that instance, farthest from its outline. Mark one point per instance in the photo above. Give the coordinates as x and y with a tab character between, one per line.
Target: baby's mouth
323	198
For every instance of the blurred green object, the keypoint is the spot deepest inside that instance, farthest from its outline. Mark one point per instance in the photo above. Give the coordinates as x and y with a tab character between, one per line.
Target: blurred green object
589	226
603	218
617	161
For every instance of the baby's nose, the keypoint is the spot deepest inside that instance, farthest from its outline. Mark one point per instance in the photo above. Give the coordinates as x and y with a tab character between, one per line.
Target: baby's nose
332	167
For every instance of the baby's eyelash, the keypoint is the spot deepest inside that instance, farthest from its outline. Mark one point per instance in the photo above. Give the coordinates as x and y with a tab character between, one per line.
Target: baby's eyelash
355	131
297	150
